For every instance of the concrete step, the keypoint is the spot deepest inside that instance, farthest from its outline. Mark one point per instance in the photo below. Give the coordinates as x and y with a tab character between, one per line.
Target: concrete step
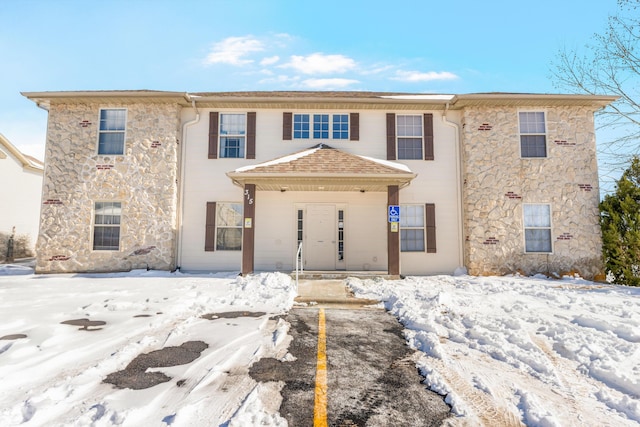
335	301
337	275
333	293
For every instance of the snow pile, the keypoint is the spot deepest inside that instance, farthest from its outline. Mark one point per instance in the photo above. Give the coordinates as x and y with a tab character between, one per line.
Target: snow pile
513	349
52	373
14	269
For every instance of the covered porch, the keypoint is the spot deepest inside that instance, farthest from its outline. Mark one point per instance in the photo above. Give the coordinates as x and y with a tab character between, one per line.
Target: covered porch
331	202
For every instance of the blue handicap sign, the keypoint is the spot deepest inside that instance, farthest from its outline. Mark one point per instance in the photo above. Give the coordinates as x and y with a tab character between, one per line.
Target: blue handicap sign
394	213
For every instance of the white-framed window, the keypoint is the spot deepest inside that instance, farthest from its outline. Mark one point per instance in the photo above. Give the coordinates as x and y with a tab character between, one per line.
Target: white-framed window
409	134
301	126
537	228
533	136
340	126
106	226
300	226
412	228
229	222
112	131
233	130
341	235
299	235
321	126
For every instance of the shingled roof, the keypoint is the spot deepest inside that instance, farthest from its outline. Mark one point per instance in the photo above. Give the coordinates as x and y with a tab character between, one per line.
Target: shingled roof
324	168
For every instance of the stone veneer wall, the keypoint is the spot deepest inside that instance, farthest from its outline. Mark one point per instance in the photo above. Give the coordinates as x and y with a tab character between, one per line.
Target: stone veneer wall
144	180
497	182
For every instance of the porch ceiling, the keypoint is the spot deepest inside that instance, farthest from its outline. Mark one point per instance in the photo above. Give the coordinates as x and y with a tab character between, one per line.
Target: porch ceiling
322	168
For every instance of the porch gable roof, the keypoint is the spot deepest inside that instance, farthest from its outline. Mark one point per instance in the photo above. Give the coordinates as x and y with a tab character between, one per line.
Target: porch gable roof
323	168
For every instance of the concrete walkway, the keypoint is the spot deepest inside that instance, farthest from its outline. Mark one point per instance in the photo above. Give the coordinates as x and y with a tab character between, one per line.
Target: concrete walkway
332	293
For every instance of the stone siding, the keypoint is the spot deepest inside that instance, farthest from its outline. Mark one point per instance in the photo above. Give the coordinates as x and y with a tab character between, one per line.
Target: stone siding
497	182
144	180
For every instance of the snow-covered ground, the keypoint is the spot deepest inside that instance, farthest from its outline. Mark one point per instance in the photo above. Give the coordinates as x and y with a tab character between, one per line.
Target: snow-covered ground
512	349
503	350
53	377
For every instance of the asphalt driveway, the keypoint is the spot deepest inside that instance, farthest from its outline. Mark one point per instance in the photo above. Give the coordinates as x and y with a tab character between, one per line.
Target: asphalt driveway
371	375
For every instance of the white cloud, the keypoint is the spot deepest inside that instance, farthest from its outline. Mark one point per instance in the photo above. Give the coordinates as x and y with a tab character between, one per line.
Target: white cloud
280	80
319	63
270	60
281	40
328	83
233	50
417	76
270	55
376	69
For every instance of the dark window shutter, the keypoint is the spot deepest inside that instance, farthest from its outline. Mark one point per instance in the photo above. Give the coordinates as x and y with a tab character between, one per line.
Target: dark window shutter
251	135
430	211
287	126
391	136
213	135
428	136
354	127
210	228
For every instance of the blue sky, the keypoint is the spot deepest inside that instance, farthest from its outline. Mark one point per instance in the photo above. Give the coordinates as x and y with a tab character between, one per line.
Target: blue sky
417	46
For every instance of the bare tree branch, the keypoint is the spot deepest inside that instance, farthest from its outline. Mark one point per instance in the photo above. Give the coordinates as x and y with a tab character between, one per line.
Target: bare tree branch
609	65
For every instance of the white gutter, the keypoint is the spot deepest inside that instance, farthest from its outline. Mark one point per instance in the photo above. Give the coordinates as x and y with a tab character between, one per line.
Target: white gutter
459	180
182	178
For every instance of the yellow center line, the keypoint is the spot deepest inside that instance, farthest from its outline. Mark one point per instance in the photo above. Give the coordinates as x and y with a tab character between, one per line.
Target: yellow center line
320	407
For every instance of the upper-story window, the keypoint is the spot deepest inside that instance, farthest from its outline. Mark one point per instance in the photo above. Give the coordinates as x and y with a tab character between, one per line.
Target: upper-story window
233	129
340	126
409	132
301	126
321	126
112	129
533	137
410	137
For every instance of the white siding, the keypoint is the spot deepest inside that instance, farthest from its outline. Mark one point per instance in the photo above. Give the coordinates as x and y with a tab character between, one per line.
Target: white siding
437	182
20	194
366	214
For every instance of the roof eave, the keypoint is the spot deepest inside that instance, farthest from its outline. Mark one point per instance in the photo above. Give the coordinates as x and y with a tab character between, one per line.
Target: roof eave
44	99
501	99
314	181
26	163
326	103
311	175
318	99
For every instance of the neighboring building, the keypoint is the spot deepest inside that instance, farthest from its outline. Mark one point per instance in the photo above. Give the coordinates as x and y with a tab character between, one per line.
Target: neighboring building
499	183
20	197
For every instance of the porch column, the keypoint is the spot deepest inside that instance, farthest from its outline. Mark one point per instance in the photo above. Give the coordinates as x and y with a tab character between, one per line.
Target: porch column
393	235
248	234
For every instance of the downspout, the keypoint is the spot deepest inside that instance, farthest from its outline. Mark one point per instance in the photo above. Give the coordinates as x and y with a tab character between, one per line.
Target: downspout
181	177
459	180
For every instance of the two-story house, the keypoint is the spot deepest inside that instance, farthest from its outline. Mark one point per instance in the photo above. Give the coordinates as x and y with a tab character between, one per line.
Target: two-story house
404	184
20	192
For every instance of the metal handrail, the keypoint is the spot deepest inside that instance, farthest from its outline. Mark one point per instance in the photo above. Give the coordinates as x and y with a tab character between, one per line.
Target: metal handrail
299	263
